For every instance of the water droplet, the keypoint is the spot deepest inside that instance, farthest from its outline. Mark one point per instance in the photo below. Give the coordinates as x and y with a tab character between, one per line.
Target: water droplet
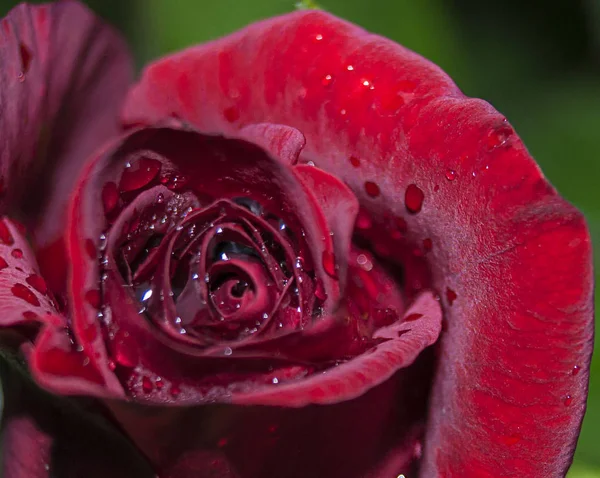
175	391
413	198
231	114
499	136
450	175
354	161
568	400
329	264
411	317
147	385
126	352
29	315
112	365
436	188
372	189
5	235
26	56
427	244
320	290
511	440
93	298
23	292
450	295
17	253
349	68
275	380
174	182
110	197
227	351
576	369
38	283
3	263
318	37
363	220
364	262
158	383
138	174
327	80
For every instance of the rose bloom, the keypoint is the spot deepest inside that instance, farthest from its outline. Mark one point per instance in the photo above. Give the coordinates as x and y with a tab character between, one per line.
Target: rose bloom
297	251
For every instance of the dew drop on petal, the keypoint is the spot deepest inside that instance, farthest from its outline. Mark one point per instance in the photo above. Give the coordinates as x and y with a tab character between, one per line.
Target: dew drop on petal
329	263
450	295
38	283
231	114
3	263
511	439
320	290
576	369
125	350
363	220
147	385
175	391
354	161
112	365
413	198
17	253
139	174
450	175
499	136
411	317
568	400
22	292
110	197
427	244
372	189
29	315
327	80
5	235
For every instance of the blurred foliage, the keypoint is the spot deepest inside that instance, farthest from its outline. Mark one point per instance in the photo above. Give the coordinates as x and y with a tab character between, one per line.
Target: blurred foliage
537	61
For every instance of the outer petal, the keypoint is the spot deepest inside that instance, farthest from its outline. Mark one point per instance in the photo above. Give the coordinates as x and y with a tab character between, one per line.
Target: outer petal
43	437
512	259
63	77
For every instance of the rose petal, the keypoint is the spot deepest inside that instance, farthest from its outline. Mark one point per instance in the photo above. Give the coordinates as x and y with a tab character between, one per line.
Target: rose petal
498	213
44	436
283	142
339	205
404	342
62	71
23	292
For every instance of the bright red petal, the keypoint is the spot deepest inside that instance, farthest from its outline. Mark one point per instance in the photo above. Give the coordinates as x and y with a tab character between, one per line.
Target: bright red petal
512	259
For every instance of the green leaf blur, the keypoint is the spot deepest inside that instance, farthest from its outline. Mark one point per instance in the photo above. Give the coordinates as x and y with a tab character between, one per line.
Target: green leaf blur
537	62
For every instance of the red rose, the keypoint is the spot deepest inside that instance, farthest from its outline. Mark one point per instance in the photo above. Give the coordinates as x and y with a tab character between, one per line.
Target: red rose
247	276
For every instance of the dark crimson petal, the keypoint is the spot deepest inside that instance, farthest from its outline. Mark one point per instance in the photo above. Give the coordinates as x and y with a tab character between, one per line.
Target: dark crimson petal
44	436
64	75
281	141
512	255
219	170
339	205
25	306
403	342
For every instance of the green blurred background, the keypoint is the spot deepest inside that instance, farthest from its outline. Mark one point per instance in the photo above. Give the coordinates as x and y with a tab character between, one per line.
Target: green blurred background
537	61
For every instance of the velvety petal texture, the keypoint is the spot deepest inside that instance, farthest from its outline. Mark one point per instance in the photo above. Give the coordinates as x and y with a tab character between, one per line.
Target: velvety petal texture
448	191
64	75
